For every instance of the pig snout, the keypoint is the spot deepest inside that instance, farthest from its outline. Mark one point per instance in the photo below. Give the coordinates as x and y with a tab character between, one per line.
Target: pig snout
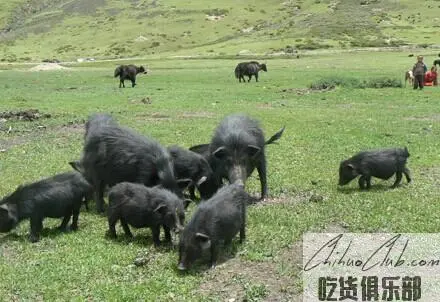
238	175
181	267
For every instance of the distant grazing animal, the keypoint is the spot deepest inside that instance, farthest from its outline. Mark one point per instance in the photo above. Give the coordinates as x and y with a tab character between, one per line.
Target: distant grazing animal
249	69
128	72
409	77
436	62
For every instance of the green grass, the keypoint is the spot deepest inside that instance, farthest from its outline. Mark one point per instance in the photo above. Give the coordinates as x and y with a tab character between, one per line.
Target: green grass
189	98
71	29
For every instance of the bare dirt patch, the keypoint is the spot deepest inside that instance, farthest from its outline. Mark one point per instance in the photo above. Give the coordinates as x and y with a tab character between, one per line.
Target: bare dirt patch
303	91
76	126
48	67
279	279
25	115
293	198
196	114
431	118
432	174
240	280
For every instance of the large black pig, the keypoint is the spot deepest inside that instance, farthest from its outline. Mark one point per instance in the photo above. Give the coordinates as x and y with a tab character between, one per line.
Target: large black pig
236	149
55	197
382	164
114	154
216	220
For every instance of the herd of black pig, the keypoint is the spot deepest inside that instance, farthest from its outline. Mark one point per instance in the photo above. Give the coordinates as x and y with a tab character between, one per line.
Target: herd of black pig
147	181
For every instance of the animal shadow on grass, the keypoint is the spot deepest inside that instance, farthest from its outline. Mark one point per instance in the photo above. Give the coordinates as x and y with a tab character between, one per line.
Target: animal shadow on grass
202	264
142	240
11	237
49	233
375	188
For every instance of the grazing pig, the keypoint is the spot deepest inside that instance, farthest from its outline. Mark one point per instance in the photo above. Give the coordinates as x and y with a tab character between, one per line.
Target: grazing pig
382	164
139	206
249	69
218	219
190	165
114	154
55	197
128	72
236	149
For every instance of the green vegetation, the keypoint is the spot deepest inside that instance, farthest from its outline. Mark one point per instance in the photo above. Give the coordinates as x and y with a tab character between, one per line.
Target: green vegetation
70	29
187	99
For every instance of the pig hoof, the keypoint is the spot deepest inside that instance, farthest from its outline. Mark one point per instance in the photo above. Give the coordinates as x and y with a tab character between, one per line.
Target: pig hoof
110	235
34	239
74	228
63	229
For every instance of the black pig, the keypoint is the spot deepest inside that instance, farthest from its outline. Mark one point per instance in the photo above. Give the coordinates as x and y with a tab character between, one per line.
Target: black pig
190	165
139	206
55	197
218	219
382	164
114	154
236	149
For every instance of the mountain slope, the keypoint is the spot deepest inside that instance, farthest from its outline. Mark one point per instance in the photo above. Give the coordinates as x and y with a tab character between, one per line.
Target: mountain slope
67	29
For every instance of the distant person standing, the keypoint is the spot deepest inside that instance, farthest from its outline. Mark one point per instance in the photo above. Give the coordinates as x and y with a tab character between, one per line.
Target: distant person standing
419	71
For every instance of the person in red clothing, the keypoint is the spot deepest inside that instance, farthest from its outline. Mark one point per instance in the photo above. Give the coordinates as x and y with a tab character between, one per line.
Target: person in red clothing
431	77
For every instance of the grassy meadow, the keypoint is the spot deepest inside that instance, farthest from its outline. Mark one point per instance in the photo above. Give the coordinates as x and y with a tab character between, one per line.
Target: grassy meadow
182	101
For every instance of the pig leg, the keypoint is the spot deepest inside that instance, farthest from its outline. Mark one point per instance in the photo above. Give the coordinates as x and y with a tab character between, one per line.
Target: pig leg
242	233
368	181
156	232
99	196
361	182
167	233
74	225
36	227
126	228
263	177
214	254
407	174
398	179
112	219
66	219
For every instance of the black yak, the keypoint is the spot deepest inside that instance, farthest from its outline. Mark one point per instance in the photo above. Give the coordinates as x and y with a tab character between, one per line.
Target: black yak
249	69
436	62
128	72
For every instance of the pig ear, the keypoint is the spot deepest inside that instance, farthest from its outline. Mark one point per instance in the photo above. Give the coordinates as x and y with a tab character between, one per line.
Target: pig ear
76	165
161	208
200	149
184	183
204	240
350	166
220	152
201	180
253	150
186	203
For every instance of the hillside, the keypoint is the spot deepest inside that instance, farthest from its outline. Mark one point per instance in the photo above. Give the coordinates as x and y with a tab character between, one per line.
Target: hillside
67	29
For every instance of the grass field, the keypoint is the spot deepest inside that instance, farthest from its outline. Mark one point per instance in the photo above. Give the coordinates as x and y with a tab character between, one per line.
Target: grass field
188	99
